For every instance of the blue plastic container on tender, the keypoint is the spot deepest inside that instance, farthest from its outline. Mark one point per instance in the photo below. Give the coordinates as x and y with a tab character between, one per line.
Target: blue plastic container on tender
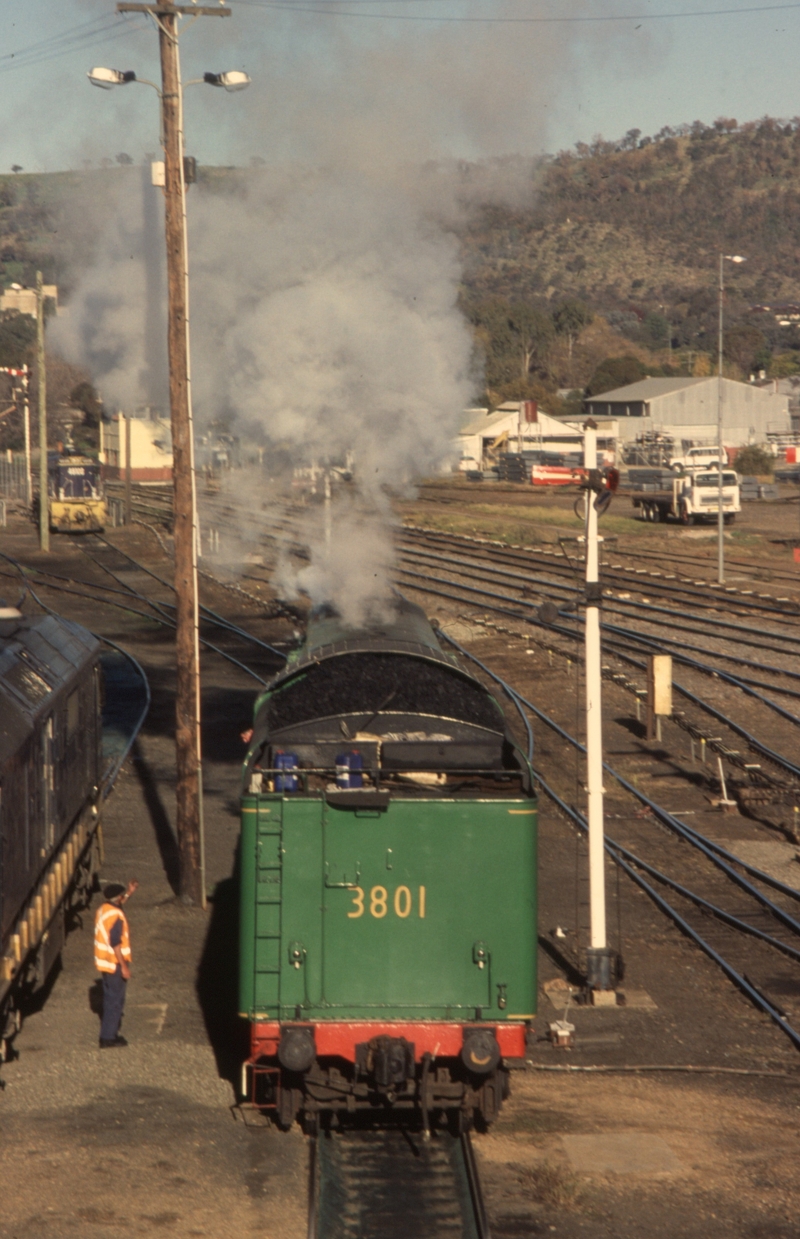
286	782
348	769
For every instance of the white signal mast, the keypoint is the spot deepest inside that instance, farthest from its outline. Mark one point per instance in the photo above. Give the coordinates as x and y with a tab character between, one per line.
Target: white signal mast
598	956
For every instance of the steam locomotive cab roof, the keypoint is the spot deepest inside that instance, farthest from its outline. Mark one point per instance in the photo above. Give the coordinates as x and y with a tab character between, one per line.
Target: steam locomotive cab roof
389	690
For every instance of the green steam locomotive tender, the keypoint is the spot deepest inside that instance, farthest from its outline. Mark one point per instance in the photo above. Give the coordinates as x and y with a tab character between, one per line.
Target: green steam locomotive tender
388	882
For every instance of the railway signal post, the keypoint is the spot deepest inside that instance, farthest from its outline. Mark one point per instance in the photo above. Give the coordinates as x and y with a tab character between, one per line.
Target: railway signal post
598	955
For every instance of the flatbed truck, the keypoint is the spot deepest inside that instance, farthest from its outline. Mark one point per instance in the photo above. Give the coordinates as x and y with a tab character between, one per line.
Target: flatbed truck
692	498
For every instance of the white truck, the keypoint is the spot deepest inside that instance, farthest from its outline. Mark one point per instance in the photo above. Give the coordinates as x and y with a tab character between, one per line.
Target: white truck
692	498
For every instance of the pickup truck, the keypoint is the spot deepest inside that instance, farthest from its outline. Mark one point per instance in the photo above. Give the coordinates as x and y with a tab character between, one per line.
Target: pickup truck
692	498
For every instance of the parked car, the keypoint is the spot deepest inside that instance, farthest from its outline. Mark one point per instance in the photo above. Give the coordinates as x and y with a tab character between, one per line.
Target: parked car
698	458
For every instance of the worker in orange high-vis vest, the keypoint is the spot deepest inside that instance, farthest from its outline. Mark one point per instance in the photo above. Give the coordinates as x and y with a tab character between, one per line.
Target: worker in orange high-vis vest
112	958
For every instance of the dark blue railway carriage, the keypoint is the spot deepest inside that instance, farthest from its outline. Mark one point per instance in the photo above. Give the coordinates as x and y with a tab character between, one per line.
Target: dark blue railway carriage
50	774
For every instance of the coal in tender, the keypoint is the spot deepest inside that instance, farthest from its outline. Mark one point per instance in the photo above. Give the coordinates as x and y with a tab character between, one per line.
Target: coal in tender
368	683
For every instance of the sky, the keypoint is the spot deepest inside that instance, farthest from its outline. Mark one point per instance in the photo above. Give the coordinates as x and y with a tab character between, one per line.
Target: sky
464	78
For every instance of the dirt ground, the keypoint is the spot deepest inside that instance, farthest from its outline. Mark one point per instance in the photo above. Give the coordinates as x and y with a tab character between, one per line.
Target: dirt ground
145	1140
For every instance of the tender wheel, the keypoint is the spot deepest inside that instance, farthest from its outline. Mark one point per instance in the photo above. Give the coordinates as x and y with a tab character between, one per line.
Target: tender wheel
730	518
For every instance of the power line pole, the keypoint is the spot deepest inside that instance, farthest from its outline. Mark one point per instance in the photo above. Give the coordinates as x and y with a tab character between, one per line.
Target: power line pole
189	807
41	377
128	474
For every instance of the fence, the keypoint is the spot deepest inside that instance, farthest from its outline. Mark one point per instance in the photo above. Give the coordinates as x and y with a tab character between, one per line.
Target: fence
13	484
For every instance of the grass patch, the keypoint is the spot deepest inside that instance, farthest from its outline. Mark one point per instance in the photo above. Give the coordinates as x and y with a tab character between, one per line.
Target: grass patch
550	1184
522	526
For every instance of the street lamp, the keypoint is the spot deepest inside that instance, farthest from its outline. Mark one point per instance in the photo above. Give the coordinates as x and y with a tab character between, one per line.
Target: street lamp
234	79
107	79
737	258
189	790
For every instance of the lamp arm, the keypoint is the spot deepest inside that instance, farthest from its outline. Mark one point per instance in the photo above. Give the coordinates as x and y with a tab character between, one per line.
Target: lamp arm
143	81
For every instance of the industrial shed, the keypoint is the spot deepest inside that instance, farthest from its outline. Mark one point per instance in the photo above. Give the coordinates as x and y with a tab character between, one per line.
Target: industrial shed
686	409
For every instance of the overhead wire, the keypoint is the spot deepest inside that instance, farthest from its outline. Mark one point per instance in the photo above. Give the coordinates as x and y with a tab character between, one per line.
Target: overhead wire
69	41
328	10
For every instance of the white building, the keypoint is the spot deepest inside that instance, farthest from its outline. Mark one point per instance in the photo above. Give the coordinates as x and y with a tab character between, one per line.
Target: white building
506	430
151	449
686	410
23	300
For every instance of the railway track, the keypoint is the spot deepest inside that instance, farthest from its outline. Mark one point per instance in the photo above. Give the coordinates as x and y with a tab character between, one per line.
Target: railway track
764	912
389	1183
770	923
756	942
710	640
455	578
555	562
123	594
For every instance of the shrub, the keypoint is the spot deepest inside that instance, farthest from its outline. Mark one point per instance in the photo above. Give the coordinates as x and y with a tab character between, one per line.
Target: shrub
754	459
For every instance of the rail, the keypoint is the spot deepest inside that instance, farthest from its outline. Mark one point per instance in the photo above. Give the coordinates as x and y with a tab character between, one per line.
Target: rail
391	1183
525	609
630	864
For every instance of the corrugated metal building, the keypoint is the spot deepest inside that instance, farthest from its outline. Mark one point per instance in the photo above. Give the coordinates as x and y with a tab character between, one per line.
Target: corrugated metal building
687	410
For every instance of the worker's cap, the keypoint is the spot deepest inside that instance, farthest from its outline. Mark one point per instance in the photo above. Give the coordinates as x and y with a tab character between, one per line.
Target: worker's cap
113	890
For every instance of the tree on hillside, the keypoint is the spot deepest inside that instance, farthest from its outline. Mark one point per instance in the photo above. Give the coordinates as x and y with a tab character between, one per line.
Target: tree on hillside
569	319
745	346
513	337
123	159
17	338
782	365
531	331
615	372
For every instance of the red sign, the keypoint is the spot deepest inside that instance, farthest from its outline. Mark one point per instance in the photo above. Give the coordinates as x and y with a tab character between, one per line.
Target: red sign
529	410
555	475
797	554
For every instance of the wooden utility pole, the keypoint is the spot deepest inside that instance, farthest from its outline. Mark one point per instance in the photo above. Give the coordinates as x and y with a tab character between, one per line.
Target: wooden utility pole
187	702
41	378
128	475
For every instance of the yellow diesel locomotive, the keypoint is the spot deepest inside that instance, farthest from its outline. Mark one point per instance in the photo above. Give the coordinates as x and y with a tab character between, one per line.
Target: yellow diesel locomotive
76	500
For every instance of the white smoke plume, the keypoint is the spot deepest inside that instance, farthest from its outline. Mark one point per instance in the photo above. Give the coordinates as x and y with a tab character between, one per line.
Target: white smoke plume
328	301
350	563
324	286
115	321
334	325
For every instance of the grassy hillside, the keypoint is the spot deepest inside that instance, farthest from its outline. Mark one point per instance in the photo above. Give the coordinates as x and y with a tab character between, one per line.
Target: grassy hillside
616	258
645	219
